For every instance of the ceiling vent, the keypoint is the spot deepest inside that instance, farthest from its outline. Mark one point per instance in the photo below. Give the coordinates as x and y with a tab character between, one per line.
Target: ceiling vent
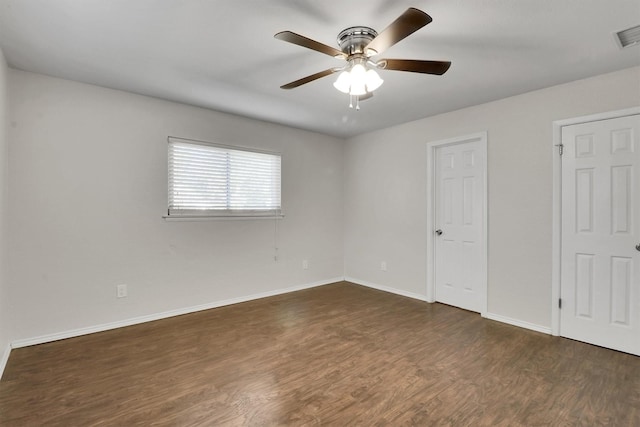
628	37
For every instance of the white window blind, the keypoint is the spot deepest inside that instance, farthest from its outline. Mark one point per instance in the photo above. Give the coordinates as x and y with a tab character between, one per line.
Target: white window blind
213	180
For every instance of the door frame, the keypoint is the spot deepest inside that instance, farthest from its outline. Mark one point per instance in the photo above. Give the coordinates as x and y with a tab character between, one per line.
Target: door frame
482	138
556	226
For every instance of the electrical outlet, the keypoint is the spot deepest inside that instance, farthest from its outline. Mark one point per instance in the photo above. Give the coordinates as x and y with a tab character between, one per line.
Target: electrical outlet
383	266
305	264
121	291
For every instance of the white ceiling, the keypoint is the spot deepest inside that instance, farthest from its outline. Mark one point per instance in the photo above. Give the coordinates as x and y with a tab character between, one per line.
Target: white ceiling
222	55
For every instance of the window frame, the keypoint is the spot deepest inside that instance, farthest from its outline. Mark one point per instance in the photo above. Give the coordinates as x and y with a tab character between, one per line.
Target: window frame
204	214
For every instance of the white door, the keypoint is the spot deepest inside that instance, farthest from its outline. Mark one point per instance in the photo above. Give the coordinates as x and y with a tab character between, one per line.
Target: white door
459	261
600	266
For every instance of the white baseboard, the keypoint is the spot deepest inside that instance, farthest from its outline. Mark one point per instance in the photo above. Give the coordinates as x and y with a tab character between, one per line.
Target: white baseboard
157	316
519	323
5	358
386	289
491	316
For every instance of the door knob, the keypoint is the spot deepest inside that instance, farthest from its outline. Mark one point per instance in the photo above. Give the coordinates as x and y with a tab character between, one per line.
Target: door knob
439	232
638	247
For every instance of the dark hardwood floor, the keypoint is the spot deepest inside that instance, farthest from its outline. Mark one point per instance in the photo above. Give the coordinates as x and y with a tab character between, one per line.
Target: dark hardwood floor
338	355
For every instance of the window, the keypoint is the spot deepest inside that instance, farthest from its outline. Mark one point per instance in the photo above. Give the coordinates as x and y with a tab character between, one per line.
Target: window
214	180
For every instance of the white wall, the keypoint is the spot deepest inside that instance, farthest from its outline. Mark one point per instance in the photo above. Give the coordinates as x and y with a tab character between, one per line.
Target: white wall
385	191
4	288
88	191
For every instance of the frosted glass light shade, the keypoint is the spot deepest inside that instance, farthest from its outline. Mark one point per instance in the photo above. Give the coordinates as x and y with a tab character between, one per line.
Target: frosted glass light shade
358	88
343	83
373	80
358	72
358	80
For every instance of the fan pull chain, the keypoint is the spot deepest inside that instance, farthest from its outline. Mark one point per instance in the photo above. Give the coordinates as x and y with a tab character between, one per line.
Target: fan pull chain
357	101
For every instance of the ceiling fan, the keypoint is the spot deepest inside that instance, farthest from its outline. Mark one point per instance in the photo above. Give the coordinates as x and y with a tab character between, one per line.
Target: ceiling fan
358	45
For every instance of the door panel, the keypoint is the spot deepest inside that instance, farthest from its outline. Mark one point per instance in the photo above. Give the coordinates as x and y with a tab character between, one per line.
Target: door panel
459	213
600	271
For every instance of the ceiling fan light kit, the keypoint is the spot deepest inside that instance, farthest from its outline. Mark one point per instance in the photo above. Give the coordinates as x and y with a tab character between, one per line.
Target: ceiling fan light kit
358	77
358	80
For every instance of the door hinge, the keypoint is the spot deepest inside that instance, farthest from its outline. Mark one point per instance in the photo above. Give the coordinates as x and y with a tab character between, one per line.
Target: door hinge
560	148
560	303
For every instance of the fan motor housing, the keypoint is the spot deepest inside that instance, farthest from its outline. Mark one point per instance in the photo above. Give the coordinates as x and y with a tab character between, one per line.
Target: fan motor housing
353	40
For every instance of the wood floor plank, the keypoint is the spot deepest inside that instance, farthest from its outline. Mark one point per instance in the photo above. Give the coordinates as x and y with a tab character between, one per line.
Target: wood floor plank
339	355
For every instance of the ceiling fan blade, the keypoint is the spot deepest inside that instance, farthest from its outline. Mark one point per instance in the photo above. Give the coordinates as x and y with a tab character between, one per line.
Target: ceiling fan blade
406	24
310	78
291	37
415	66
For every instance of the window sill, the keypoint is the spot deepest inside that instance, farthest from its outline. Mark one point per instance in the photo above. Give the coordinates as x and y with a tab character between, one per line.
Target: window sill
181	218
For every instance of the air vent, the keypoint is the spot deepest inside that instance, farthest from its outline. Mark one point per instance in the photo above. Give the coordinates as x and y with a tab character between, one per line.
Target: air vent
628	37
